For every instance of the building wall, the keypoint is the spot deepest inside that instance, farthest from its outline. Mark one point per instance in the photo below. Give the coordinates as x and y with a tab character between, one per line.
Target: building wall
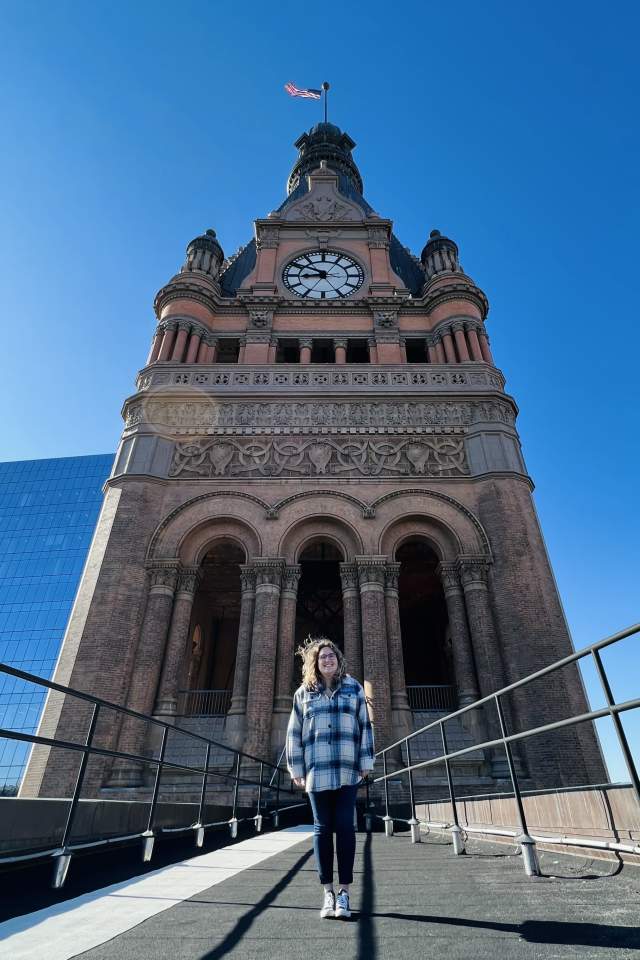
48	513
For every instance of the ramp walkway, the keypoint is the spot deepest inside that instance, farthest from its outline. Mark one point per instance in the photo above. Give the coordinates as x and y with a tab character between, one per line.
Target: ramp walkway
260	898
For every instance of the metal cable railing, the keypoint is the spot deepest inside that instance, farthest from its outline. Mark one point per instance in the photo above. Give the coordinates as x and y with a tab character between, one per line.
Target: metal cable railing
64	850
504	740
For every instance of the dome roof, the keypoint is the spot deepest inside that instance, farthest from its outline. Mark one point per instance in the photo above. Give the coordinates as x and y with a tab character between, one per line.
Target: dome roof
327	142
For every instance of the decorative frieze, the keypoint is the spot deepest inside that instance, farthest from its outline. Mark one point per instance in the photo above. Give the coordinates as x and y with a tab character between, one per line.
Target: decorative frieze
437	456
202	415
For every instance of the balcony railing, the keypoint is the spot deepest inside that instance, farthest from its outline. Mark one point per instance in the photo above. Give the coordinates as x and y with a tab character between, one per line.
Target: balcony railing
203	703
440	696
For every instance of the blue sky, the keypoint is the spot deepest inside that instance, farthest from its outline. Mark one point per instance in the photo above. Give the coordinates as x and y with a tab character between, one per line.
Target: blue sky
130	128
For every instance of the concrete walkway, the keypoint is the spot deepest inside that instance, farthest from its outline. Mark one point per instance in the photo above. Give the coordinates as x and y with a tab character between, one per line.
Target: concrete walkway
410	901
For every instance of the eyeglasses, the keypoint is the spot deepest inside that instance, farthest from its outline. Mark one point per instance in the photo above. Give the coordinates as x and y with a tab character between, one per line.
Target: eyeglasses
329	656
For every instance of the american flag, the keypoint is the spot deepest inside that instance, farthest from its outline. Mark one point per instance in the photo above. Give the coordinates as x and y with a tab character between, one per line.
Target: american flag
294	91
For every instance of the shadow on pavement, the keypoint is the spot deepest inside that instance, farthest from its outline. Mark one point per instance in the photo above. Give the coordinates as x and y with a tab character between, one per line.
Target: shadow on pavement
235	936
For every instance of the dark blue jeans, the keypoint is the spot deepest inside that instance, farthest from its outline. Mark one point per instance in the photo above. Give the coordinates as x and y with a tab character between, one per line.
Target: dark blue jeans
333	812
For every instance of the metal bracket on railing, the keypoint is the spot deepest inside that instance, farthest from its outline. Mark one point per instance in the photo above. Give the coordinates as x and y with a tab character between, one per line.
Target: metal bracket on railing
61	865
458	840
529	855
415	830
148	840
388	825
233	827
199	829
258	822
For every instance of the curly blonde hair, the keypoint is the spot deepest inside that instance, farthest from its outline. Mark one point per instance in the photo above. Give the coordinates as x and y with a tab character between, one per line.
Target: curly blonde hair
309	652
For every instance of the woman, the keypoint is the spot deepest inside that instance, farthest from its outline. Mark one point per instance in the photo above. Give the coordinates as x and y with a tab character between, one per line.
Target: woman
329	751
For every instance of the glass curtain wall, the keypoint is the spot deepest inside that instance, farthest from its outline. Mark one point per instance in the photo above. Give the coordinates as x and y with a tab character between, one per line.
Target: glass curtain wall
48	513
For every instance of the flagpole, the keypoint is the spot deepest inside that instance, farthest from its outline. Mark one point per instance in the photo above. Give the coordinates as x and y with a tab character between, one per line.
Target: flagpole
325	87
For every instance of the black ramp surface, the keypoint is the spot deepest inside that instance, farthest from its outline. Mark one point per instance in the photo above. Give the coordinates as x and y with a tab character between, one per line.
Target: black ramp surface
410	901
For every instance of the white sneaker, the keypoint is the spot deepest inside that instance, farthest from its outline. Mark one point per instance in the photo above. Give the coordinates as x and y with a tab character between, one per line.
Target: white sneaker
342	904
329	905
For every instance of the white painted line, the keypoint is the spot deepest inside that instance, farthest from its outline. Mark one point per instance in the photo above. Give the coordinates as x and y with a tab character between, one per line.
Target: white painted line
66	929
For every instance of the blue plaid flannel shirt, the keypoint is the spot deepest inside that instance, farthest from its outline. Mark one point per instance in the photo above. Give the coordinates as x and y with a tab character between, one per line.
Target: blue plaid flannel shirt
329	737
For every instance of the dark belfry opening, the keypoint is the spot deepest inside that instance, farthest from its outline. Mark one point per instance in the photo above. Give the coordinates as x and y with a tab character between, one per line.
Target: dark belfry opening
319	606
322	352
425	628
228	350
288	351
416	350
208	678
357	351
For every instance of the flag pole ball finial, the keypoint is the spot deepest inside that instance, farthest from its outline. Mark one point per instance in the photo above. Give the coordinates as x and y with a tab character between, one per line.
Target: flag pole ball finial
325	85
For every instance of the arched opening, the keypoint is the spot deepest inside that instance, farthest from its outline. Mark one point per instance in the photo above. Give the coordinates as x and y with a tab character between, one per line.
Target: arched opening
214	634
319	606
426	645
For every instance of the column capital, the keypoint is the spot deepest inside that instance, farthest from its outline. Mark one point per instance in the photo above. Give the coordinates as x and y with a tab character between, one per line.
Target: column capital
163	575
247	578
170	325
211	341
305	342
290	578
474	571
449	574
349	576
371	570
185	325
268	571
456	326
340	342
188	579
391	575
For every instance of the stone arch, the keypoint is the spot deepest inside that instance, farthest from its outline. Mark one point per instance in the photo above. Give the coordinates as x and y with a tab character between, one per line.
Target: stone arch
316	527
335	494
186	531
450	527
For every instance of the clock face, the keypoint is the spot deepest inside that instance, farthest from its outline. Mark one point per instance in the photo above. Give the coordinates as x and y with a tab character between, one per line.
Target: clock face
323	275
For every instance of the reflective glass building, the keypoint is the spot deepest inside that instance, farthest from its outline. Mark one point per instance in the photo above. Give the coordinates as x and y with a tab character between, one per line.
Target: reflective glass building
48	512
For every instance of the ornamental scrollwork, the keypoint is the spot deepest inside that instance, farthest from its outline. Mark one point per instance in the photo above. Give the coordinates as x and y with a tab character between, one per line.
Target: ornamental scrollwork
437	456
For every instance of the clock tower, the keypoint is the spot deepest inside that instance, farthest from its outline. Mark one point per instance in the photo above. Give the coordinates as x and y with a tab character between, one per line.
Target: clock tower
319	442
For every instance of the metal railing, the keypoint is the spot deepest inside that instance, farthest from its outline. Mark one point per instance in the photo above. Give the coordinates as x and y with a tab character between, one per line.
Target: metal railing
203	703
63	851
440	696
506	740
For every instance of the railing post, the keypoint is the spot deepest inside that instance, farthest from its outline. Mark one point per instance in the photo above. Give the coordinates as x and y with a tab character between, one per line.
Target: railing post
368	816
528	844
456	832
233	823
62	860
275	816
388	821
199	827
258	816
148	838
413	823
622	737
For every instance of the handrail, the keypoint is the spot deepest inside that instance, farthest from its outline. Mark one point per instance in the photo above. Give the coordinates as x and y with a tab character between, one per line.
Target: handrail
63	852
506	739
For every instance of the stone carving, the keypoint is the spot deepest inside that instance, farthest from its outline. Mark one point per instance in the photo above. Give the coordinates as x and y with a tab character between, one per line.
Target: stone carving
201	415
386	319
371	570
247	578
268	236
391	576
163	573
349	576
188	579
474	572
290	577
322	207
378	238
437	456
260	319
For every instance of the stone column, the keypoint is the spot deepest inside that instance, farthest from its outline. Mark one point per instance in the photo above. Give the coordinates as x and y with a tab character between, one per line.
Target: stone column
373	350
286	638
400	711
194	346
181	339
273	351
264	645
167	341
461	343
474	572
463	664
440	357
474	342
156	343
235	725
305	351
340	347
449	351
167	699
432	353
243	344
351	618
163	576
403	349
484	347
371	576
